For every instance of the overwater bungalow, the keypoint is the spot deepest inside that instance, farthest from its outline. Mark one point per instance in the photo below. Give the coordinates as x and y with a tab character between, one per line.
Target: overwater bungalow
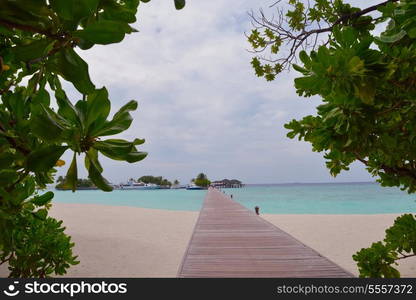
227	183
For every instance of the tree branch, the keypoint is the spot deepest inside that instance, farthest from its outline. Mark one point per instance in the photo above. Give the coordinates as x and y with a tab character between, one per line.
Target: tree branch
14	143
399	171
391	170
6	259
68	43
28	28
405	256
297	41
6	88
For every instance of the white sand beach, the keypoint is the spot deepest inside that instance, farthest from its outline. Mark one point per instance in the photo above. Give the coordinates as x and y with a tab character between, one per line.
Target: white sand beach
116	241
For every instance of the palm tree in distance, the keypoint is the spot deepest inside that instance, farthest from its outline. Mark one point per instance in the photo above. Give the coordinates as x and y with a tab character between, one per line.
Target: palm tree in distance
201	176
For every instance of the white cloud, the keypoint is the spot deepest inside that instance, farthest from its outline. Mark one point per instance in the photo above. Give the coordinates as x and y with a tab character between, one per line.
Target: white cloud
201	108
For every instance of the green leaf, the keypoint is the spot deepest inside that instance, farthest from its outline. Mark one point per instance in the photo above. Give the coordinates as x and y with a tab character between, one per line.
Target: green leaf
304	57
307	83
43	199
44	158
73	68
121	150
392	38
115	144
356	65
16	102
135	156
6	159
95	175
366	92
63	8
74	9
27	12
91	157
104	32
81	108
348	36
71	178
6	32
412	33
8	177
41	214
130	106
45	125
402	235
137	142
179	4
120	122
66	109
84	44
98	108
41	97
299	69
332	113
35	49
116	11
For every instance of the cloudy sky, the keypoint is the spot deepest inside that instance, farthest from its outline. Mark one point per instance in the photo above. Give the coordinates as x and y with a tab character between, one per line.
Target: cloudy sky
201	108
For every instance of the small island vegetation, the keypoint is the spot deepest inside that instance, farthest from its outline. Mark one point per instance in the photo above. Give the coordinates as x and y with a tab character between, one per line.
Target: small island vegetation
158	180
201	180
81	184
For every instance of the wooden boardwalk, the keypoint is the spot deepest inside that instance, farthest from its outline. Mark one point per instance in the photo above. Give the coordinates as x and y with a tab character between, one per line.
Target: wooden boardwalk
231	241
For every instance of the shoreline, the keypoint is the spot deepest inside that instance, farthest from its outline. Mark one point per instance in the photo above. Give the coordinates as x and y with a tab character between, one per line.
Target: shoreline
123	241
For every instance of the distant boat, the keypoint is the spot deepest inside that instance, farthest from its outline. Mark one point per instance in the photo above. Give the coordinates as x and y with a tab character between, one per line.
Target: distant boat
195	187
179	186
131	185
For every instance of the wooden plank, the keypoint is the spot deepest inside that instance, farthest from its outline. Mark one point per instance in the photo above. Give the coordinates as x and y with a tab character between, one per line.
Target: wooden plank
231	241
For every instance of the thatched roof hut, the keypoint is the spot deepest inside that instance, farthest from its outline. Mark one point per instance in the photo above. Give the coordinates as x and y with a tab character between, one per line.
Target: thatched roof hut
227	183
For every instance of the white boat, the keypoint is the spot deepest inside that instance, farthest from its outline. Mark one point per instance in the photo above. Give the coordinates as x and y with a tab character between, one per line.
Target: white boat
131	185
195	187
177	187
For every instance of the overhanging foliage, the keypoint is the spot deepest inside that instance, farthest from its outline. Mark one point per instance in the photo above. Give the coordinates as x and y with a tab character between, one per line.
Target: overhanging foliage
39	45
367	86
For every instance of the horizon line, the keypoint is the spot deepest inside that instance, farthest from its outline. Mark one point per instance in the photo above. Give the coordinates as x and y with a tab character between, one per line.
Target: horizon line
326	182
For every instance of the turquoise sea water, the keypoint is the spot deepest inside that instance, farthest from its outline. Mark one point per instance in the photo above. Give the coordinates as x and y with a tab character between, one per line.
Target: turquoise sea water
179	199
351	198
